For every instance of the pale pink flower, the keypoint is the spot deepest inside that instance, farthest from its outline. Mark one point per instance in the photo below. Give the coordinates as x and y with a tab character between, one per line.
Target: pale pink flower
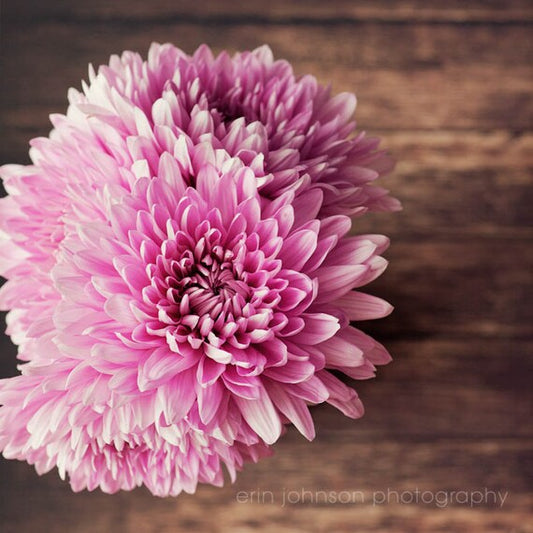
179	272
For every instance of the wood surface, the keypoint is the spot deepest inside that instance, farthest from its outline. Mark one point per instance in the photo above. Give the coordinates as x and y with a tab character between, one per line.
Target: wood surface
448	85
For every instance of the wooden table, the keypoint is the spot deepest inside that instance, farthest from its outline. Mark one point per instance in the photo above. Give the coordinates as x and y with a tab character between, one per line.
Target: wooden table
449	88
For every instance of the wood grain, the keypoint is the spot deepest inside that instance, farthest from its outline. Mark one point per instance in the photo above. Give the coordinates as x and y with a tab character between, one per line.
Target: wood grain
402	78
371	470
448	86
506	11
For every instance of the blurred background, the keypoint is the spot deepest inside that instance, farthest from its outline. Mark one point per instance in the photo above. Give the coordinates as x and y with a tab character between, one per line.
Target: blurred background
448	86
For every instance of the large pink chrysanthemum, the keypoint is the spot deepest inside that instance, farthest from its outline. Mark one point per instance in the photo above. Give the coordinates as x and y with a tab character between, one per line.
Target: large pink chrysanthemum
179	272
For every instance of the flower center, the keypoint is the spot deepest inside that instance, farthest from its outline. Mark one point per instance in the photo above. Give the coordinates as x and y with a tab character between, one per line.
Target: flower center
211	289
200	296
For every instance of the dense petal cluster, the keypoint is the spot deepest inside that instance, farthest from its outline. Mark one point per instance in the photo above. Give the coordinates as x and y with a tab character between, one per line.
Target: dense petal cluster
180	274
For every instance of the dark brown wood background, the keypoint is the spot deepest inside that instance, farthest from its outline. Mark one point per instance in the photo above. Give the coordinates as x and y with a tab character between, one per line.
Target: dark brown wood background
448	85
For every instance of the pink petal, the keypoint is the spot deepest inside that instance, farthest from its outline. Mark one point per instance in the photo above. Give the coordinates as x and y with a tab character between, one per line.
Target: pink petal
318	328
261	416
293	408
340	352
209	399
209	371
338	280
298	248
361	306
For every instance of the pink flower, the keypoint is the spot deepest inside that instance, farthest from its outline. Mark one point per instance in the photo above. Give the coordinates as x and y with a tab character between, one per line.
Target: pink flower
179	272
87	433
